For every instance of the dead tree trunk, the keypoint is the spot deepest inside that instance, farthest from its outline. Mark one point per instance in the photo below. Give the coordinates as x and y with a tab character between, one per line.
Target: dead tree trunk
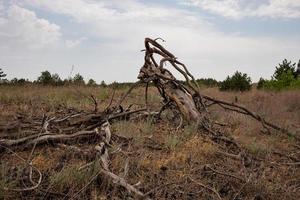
170	88
186	96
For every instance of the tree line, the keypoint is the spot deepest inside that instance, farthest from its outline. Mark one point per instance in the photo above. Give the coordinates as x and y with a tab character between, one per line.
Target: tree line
46	78
286	75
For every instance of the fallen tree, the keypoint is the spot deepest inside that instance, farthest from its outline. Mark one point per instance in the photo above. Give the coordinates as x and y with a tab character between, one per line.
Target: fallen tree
184	99
187	97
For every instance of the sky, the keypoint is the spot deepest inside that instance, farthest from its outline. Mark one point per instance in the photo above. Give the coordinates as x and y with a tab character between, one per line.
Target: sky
103	39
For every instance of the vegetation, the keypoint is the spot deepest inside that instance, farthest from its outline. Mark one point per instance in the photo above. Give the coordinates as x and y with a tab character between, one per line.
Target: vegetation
120	85
284	68
158	154
91	82
209	82
237	82
104	145
2	75
45	78
109	142
261	83
78	79
103	84
48	79
286	76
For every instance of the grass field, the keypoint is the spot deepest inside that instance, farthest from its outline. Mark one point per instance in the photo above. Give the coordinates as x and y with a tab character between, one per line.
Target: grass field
177	162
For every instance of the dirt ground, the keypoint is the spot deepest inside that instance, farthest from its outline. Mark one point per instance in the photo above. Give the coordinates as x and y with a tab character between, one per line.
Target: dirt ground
160	158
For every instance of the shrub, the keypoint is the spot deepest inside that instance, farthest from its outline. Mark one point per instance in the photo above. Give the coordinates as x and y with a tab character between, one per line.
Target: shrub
261	83
45	78
284	68
103	84
2	75
285	77
298	69
210	82
237	82
21	81
91	82
56	80
78	79
285	81
120	85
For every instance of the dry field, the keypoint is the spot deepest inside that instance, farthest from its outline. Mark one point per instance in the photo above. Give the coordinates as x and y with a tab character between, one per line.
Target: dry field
160	158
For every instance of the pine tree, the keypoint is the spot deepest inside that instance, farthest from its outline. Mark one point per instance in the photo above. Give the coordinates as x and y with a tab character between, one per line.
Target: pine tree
2	75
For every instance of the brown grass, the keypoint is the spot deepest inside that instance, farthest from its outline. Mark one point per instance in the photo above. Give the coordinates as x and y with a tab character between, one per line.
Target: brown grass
158	153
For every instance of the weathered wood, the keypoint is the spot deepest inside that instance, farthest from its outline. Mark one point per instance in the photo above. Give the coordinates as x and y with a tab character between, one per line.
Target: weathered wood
184	102
167	84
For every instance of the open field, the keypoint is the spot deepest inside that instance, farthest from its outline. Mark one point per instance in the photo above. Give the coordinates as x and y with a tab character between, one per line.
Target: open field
164	160
150	100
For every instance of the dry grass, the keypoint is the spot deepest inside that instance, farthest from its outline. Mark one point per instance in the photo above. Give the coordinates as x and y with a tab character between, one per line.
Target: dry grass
158	153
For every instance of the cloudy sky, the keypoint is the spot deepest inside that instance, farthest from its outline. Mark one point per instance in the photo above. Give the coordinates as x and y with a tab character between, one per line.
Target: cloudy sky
102	39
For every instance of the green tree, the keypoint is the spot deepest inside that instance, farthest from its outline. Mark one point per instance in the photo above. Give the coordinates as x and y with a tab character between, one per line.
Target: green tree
91	82
285	80
286	76
21	81
2	75
237	82
283	68
210	82
298	69
261	83
56	80
78	79
103	84
45	78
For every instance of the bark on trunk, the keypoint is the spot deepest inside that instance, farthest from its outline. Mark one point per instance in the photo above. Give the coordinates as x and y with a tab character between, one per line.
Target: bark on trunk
184	102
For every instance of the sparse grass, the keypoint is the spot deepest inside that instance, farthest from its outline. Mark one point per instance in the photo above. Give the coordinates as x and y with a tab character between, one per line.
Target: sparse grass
257	149
70	177
7	180
180	152
190	129
172	141
67	178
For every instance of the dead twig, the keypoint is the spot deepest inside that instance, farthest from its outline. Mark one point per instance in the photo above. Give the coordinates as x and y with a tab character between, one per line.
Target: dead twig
94	99
111	100
206	187
29	164
223	173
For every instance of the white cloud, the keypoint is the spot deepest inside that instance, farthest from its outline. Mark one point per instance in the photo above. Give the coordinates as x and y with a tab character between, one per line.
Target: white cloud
279	9
113	31
118	18
20	27
237	9
74	43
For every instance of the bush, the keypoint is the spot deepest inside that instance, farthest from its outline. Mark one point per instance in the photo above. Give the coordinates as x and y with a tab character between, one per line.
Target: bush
284	68
21	81
2	75
103	84
210	82
45	78
285	77
120	85
237	82
78	79
285	81
261	83
92	82
56	80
